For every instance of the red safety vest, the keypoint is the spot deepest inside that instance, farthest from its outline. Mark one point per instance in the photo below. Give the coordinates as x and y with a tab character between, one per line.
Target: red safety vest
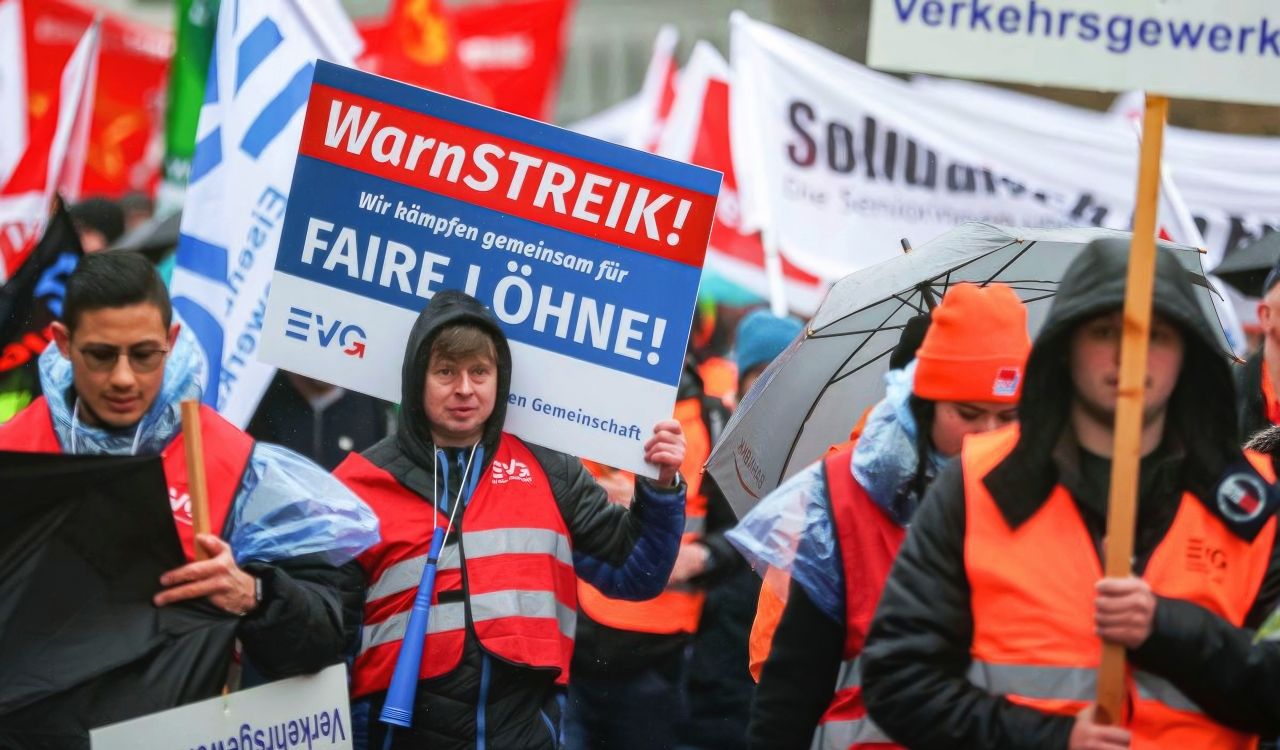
226	454
1033	592
518	587
869	541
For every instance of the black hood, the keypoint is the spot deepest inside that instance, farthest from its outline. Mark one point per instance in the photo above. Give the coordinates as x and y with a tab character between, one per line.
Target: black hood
1202	415
447	308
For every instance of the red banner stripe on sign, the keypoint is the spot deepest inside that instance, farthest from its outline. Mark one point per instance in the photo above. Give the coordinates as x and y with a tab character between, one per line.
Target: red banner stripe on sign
506	175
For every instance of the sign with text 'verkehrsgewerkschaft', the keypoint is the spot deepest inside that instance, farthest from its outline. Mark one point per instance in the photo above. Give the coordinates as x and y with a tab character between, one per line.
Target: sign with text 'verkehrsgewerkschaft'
1226	50
589	255
312	712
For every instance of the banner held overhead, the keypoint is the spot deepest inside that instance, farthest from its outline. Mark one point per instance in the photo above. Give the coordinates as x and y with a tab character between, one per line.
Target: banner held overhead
1196	49
588	253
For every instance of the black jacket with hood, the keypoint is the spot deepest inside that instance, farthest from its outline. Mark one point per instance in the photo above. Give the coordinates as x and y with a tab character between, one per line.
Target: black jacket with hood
1251	403
627	554
918	649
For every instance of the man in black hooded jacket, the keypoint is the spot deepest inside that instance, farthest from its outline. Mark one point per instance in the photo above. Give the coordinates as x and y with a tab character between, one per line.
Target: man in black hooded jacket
962	624
500	635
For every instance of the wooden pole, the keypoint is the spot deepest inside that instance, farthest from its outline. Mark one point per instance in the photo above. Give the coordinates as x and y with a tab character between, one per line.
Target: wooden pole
1126	456
197	487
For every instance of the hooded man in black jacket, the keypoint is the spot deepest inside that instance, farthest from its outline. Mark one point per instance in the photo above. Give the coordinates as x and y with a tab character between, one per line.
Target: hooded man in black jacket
456	381
926	679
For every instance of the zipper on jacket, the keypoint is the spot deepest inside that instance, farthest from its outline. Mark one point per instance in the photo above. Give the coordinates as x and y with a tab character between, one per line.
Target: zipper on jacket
484	698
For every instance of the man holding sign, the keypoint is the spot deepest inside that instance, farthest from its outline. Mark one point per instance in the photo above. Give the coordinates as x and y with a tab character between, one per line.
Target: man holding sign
519	522
283	533
990	628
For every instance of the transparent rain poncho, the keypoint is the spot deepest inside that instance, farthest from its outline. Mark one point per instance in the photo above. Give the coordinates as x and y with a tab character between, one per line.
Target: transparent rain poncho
287	505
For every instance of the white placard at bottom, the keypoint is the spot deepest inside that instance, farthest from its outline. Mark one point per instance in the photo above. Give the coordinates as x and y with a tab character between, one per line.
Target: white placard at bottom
312	712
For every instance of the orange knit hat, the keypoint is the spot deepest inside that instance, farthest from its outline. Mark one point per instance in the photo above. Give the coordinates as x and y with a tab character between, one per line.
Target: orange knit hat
976	348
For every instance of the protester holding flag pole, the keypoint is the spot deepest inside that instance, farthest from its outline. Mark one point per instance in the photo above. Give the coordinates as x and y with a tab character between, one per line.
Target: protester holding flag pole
284	531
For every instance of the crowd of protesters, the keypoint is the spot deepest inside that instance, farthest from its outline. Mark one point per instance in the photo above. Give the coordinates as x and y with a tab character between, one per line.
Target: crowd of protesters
946	591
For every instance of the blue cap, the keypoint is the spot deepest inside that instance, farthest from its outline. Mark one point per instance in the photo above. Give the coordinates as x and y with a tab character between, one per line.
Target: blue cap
762	336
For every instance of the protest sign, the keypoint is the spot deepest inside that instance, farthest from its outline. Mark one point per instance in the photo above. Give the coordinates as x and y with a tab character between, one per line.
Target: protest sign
313	711
589	255
1221	50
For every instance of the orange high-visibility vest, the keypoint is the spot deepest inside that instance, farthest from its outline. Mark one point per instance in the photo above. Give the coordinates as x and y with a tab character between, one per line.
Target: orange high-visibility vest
869	542
679	607
226	456
511	576
1033	601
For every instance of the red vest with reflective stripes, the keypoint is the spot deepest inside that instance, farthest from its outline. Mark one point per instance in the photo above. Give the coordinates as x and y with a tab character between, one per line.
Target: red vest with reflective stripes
226	454
869	541
1033	601
518	587
679	607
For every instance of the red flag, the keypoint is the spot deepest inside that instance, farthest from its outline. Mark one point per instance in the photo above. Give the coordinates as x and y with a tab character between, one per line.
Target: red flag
516	49
126	131
54	157
417	44
658	93
697	131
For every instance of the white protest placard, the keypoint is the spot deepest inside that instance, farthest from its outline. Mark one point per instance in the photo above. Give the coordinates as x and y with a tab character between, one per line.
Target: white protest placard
312	712
589	255
1227	50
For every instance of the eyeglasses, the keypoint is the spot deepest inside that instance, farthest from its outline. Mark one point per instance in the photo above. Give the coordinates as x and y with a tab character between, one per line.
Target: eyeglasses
104	358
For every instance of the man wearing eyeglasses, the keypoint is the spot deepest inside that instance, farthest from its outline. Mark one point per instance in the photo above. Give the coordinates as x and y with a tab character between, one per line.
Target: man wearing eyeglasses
113	385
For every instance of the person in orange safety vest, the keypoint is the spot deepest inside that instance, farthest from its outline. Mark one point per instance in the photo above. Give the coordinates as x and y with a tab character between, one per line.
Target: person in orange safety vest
990	627
857	503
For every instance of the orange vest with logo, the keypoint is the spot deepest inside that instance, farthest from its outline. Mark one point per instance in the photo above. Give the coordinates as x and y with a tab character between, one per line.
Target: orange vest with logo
1033	601
510	575
678	609
226	455
869	542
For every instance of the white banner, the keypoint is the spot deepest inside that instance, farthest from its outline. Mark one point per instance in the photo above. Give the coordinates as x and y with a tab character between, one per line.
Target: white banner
13	87
1231	183
1226	50
246	145
312	712
844	162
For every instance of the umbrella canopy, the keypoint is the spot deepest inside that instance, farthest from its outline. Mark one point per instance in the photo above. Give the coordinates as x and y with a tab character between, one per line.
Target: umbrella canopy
813	394
83	542
1246	269
154	238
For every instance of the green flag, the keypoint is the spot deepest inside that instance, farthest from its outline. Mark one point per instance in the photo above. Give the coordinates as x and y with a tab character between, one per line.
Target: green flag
197	23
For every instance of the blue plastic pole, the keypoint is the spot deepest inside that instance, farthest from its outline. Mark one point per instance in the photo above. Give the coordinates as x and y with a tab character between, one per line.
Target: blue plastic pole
398	708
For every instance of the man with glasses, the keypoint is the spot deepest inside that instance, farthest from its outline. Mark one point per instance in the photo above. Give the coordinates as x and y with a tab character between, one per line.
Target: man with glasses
113	385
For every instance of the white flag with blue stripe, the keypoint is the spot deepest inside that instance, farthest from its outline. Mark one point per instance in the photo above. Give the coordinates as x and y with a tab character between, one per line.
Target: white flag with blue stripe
246	146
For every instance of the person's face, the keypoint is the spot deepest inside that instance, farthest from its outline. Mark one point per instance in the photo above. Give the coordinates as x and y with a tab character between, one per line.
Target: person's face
117	359
1095	365
952	420
1269	316
91	240
459	396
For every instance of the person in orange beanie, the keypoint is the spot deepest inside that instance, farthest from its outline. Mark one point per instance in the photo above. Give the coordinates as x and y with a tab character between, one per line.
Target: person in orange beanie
856	504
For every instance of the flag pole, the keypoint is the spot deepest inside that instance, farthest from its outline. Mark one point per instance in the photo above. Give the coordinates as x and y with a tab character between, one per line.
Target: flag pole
1126	456
197	487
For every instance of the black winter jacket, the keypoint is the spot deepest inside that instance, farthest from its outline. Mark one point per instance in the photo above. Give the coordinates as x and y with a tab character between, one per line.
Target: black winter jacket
918	651
626	553
1250	402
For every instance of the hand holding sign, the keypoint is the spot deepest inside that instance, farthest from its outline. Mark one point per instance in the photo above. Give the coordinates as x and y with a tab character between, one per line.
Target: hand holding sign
666	450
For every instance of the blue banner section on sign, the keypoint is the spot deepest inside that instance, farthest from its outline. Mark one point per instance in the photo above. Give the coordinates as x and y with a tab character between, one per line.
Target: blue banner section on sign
518	128
550	288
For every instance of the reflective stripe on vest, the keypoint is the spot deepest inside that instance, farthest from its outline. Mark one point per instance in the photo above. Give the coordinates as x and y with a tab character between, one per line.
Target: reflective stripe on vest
869	542
509	578
842	733
1032	592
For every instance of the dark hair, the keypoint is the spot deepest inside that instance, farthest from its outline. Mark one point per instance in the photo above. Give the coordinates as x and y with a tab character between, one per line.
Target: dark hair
114	279
922	411
101	215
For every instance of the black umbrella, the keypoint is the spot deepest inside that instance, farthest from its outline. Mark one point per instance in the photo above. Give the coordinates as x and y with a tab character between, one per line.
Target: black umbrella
153	238
1246	269
83	542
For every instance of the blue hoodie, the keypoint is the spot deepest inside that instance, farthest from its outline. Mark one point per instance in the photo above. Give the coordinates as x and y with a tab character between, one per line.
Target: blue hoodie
287	506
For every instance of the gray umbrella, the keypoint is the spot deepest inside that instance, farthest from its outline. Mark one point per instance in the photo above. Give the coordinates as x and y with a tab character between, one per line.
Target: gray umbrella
811	396
1247	267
